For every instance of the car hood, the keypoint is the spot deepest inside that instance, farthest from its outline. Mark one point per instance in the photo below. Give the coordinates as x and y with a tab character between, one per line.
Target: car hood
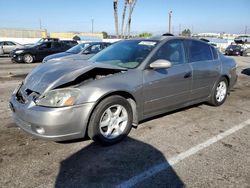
48	76
68	57
57	55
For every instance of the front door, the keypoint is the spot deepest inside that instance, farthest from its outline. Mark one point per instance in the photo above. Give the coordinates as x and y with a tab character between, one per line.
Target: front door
164	89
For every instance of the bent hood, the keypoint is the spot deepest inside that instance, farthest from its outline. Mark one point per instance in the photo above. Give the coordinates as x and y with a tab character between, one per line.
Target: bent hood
48	76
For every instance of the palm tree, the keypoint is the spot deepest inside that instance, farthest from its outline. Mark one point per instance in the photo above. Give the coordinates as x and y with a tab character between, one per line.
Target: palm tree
116	17
132	4
123	16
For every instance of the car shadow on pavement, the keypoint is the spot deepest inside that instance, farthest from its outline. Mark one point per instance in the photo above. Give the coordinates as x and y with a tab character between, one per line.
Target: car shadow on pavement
246	71
97	166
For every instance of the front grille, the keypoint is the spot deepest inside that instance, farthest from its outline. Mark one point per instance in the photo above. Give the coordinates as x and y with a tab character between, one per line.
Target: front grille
20	97
23	96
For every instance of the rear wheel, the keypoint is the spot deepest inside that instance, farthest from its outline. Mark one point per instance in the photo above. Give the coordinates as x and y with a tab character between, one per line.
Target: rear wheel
111	120
28	58
219	94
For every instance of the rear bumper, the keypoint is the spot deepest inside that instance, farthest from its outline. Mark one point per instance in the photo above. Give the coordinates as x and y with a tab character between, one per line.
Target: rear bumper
57	124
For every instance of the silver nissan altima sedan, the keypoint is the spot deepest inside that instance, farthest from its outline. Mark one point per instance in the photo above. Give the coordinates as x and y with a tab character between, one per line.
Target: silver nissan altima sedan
132	80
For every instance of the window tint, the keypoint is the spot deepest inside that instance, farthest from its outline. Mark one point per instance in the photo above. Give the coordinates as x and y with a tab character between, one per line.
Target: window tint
95	48
10	43
199	51
46	45
215	53
56	45
172	51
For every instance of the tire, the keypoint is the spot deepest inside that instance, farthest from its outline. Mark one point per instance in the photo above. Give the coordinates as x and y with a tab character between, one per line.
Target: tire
111	121
219	93
28	58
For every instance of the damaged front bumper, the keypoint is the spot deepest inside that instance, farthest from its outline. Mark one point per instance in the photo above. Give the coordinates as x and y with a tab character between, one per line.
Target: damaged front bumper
57	124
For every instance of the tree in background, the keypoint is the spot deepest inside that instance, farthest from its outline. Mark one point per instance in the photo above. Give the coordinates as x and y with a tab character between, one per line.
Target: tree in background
186	33
123	16
132	4
115	2
144	35
125	33
105	34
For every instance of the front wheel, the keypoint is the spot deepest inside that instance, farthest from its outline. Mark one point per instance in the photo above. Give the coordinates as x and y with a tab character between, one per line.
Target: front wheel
28	58
219	93
111	120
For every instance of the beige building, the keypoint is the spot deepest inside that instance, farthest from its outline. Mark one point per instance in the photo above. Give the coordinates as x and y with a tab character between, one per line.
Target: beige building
70	35
23	33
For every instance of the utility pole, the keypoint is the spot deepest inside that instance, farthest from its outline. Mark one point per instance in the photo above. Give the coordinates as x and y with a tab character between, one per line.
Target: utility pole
40	23
169	21
179	29
92	25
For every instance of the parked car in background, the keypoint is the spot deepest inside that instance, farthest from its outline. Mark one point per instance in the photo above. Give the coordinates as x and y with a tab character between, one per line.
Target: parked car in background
118	87
38	51
70	43
7	46
234	50
87	49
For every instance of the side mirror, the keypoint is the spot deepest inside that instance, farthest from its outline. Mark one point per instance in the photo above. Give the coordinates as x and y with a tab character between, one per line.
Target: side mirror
160	64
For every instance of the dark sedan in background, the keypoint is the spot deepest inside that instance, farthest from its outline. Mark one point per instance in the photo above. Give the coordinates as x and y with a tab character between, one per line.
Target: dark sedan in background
120	86
38	51
234	50
86	49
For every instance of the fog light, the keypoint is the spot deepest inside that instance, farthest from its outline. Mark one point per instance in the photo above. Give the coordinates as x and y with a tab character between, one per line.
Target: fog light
39	130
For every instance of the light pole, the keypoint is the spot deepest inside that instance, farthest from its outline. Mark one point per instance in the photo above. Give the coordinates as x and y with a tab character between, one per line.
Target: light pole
92	25
169	21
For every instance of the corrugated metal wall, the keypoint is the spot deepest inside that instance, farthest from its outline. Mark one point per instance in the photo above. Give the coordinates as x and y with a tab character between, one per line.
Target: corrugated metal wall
23	33
67	35
32	33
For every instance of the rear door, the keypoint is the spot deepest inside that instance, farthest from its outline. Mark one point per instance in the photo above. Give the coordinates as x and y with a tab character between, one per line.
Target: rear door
57	47
43	50
206	68
165	89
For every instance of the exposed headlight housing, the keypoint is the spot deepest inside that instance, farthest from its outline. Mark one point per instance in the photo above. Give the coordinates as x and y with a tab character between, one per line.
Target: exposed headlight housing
19	51
59	97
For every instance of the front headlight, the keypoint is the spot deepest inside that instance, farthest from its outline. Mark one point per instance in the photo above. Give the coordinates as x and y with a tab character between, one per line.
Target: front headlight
59	97
19	51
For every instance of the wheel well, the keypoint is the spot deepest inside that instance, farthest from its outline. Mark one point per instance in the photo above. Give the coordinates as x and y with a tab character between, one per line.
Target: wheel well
124	94
228	80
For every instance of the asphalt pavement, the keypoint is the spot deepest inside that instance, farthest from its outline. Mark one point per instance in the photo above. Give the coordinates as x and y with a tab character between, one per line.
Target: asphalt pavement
198	146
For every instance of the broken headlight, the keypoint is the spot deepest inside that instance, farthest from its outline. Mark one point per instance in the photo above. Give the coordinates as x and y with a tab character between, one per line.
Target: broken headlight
59	97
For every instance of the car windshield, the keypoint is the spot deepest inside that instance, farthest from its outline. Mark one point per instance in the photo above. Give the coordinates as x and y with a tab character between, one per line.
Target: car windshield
127	54
78	48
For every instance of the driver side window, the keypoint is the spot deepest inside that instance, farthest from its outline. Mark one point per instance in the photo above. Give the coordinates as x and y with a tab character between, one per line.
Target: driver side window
95	48
172	51
45	45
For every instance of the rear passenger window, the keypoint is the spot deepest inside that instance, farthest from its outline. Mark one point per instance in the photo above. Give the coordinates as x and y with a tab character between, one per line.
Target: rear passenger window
172	51
215	53
56	45
199	51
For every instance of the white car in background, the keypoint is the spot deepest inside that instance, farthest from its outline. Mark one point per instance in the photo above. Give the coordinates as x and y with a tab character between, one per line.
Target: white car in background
7	46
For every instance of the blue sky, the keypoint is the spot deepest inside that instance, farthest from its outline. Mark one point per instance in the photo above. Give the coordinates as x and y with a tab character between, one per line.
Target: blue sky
149	15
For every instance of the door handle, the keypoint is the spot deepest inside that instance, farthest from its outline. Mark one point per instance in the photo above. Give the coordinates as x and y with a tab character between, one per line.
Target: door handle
188	74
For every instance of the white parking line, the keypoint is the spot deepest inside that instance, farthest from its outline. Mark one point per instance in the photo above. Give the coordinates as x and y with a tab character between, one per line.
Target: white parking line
174	160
